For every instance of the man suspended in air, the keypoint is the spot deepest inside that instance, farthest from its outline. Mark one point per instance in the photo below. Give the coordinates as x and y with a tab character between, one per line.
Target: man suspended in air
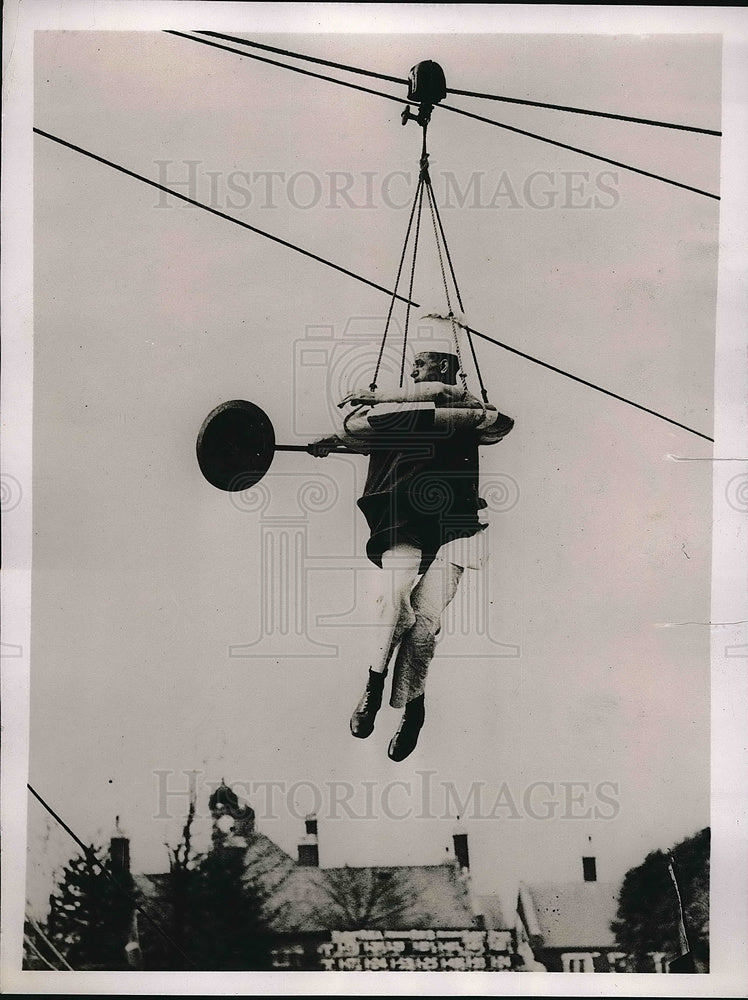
422	507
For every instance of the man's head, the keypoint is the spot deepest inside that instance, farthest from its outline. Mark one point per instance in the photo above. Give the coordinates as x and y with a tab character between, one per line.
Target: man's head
433	366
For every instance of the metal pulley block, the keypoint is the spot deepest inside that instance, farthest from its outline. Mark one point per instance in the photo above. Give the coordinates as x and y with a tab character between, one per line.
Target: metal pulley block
427	86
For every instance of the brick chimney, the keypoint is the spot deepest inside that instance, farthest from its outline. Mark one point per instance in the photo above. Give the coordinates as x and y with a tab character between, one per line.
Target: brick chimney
460	840
119	851
589	863
309	845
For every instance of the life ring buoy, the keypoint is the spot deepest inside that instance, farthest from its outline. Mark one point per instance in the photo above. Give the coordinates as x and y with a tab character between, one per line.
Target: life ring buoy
496	429
368	423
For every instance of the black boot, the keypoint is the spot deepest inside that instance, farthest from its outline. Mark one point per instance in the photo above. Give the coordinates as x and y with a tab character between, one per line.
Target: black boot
403	743
362	720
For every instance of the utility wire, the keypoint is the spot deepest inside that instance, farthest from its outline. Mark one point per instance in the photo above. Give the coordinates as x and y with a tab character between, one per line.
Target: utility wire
576	149
591	385
584	111
300	55
365	281
213	211
448	107
92	862
294	69
30	944
453	90
45	939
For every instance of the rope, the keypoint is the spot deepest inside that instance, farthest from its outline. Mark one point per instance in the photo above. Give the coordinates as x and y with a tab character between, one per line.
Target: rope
446	250
373	384
461	372
92	862
467	329
421	186
424	182
483	392
436	219
439	249
452	90
447	107
365	281
451	317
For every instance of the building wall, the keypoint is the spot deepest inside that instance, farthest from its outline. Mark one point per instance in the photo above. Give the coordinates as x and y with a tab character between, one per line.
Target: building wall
456	950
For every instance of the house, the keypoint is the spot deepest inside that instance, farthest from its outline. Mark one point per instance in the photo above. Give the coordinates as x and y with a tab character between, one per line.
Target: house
400	918
382	917
567	924
403	917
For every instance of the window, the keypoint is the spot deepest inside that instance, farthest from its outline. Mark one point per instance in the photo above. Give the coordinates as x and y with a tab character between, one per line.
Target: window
617	961
659	961
579	961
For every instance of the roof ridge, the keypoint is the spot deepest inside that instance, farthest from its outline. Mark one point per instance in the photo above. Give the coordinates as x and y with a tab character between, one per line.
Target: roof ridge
571	883
394	868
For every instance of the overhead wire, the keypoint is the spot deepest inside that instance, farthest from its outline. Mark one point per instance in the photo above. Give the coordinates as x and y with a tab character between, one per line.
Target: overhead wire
93	862
358	277
453	90
585	111
30	944
447	107
209	208
299	55
49	944
294	69
577	149
590	385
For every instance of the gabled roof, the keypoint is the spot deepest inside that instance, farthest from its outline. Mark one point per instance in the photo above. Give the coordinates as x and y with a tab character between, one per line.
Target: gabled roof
493	913
394	898
309	899
569	914
264	857
266	852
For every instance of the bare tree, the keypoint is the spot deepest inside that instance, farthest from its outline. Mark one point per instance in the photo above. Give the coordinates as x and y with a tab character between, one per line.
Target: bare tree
181	856
365	898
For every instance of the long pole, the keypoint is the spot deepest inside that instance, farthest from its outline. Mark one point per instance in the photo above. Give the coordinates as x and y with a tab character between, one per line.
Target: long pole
302	447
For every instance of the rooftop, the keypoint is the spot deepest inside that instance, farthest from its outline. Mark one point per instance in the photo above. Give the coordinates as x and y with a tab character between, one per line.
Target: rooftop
569	914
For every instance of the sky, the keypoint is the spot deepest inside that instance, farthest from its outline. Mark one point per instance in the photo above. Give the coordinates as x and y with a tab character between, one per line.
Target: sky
575	666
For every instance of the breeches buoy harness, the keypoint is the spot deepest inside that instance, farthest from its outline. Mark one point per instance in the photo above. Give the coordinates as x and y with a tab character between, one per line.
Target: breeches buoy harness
236	443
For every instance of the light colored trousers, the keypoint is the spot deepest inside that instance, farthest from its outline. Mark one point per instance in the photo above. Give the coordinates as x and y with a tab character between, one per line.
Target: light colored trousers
408	616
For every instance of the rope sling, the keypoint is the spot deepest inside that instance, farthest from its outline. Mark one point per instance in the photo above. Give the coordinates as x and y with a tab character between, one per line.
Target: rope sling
427	86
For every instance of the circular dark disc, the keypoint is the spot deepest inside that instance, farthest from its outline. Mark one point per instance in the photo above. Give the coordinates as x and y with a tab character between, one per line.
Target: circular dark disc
235	445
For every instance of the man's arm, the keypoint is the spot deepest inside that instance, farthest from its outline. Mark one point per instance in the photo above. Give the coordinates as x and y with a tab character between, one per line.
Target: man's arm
323	447
420	392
